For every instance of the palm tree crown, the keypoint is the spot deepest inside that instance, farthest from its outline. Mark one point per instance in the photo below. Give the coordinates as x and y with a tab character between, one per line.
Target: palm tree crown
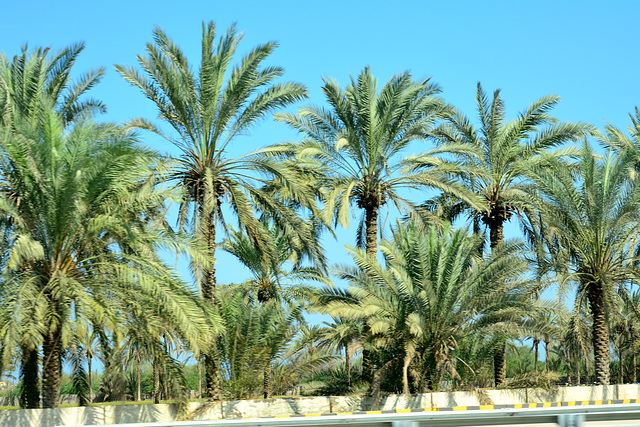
497	169
358	142
34	81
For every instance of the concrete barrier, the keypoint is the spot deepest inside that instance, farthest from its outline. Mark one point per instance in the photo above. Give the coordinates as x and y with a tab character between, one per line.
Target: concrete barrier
628	391
275	407
202	411
399	401
454	398
507	396
596	392
52	417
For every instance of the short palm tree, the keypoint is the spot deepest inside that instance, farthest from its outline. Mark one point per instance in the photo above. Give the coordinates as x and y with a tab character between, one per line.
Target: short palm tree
208	110
358	144
592	220
283	277
432	291
86	219
346	334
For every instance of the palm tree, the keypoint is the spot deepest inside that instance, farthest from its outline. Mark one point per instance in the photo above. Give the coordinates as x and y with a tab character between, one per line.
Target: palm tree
358	142
346	334
592	222
497	169
30	84
432	291
86	219
504	152
270	279
208	110
34	81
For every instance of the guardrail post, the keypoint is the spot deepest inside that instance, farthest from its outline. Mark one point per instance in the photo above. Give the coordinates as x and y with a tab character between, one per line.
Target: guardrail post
571	420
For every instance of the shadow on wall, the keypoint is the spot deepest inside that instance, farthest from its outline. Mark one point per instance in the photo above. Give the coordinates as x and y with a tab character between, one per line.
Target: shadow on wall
51	417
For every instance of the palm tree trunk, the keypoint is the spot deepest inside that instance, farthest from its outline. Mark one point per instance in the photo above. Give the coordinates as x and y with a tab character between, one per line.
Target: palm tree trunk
138	380
536	343
578	371
51	368
199	377
89	357
347	364
267	381
368	370
405	376
635	377
600	333
621	376
156	382
496	234
496	237
208	293
371	227
546	356
30	393
500	364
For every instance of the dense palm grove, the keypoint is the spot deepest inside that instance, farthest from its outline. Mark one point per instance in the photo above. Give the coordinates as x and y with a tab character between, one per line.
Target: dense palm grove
440	298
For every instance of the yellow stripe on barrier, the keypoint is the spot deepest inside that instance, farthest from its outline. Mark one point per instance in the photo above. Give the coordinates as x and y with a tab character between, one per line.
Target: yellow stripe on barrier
487	407
517	406
282	416
313	415
626	401
598	402
571	404
373	412
533	405
459	408
546	405
402	411
344	413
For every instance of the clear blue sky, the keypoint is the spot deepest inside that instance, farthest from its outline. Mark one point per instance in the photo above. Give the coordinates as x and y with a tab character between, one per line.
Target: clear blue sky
586	52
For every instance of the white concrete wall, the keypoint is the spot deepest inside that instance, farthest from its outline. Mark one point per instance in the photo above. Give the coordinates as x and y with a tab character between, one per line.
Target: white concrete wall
275	407
628	391
454	398
506	397
305	405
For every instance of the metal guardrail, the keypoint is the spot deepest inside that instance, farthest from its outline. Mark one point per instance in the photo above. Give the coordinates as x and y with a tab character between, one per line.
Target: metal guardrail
620	415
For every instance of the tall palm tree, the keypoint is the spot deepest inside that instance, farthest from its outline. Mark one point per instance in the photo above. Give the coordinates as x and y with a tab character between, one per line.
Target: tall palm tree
592	222
358	144
86	219
208	110
498	168
30	84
